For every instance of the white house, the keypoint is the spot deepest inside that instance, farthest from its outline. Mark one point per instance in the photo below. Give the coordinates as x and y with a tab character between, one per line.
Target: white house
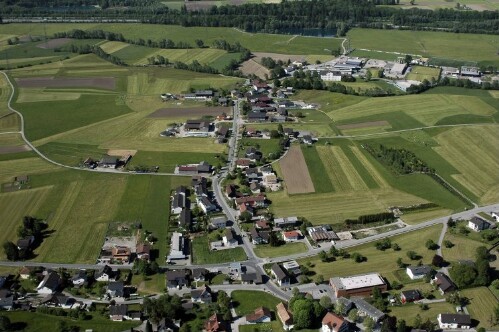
417	272
454	321
495	215
478	224
49	284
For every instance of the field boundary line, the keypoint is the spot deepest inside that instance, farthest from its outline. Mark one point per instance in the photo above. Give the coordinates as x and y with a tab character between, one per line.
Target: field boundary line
55	162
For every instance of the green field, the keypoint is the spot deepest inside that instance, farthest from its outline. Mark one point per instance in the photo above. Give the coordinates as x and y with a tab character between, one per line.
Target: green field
482	306
420	73
36	322
383	262
464	247
316	170
201	254
168	160
428	44
409	311
285	44
245	302
274	326
265	250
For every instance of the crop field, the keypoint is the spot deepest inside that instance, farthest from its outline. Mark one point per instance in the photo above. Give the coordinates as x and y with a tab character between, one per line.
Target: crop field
427	44
28	165
383	262
5	92
482	305
251	66
71	154
265	250
420	73
294	169
427	109
425	215
316	170
42	82
463	147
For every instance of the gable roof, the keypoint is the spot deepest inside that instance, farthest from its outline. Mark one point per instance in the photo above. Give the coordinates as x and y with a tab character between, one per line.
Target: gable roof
283	314
419	270
368	309
198	272
460	319
410	295
333	321
118	310
228	234
278	271
443	282
51	281
214	323
258	314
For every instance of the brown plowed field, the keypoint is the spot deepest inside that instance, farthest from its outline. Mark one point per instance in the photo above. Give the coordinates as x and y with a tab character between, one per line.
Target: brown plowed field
295	172
197	111
108	83
253	67
13	149
54	43
365	125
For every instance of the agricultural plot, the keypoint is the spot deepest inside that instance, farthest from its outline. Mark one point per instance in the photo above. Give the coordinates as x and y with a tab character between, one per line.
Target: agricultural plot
253	67
463	147
383	262
427	109
189	112
5	92
437	4
71	154
28	165
428	44
201	55
107	83
294	169
316	170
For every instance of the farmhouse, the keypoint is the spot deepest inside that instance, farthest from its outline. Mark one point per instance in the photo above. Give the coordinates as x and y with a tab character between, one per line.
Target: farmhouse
478	224
409	296
256	201
280	276
359	285
284	316
398	69
260	315
178	203
198	125
49	284
454	321
443	282
334	323
259	237
176	247
108	161
285	222
193	169
470	71
321	233
417	272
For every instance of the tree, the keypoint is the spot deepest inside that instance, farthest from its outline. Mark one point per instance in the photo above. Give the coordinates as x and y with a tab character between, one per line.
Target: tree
401	326
396	247
199	43
437	261
4	323
245	216
463	275
274	134
451	222
303	312
431	245
323	256
408	59
448	244
325	302
412	255
148	326
333	251
353	315
368	324
369	75
400	263
417	322
358	258
11	251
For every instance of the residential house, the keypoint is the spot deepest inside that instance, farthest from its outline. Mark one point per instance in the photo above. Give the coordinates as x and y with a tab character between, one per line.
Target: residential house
262	224
243	163
366	309
143	251
280	276
215	324
118	312
197	125
291	236
230	191
478	224
443	282
284	316
105	274
258	237
307	139
25	272
334	323
121	254
218	222
199	274
258	201
247	208
454	321
253	154
185	219
255	188
49	284
251	278
235	268
178	203
285	222
260	315
495	215
418	272
58	300
289	132
292	267
228	239
257	116
25	243
200	185
409	296
177	278
79	278
206	205
201	295
108	161
115	289
176	247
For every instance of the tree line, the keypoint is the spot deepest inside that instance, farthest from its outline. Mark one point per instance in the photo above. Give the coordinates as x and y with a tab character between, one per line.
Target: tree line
339	15
401	161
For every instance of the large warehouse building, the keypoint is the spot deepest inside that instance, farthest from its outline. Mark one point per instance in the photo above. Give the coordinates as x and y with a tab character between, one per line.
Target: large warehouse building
359	285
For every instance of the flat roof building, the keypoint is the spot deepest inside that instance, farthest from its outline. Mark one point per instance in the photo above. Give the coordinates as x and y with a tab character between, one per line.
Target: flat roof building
359	285
177	247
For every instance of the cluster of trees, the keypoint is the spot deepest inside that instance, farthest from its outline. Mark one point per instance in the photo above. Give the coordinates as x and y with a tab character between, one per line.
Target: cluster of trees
30	228
473	275
73	313
143	267
387	217
166	306
401	161
275	67
305	310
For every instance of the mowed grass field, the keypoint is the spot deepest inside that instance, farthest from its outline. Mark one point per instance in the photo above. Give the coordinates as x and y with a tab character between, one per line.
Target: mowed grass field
201	254
265	250
245	302
428	44
482	306
285	44
420	73
383	262
474	152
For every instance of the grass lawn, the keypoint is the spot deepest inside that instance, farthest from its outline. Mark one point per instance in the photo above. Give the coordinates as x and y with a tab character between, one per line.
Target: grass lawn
36	322
420	73
168	160
383	262
409	311
202	255
464	247
266	146
417	217
482	306
154	284
265	250
274	326
71	154
245	302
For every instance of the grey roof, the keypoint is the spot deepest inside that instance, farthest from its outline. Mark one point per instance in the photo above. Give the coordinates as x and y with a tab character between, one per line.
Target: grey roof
229	235
279	272
178	201
460	319
81	274
198	272
255	277
368	309
480	223
51	281
117	287
181	190
118	310
185	218
109	159
7	302
106	269
411	295
420	270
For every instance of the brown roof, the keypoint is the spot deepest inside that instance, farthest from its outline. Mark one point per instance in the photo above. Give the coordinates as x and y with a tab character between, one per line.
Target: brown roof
263	224
214	323
243	162
283	314
333	321
292	234
143	249
121	251
250	199
258	314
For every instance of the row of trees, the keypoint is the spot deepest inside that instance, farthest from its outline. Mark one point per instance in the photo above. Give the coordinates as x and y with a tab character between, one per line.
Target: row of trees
401	161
